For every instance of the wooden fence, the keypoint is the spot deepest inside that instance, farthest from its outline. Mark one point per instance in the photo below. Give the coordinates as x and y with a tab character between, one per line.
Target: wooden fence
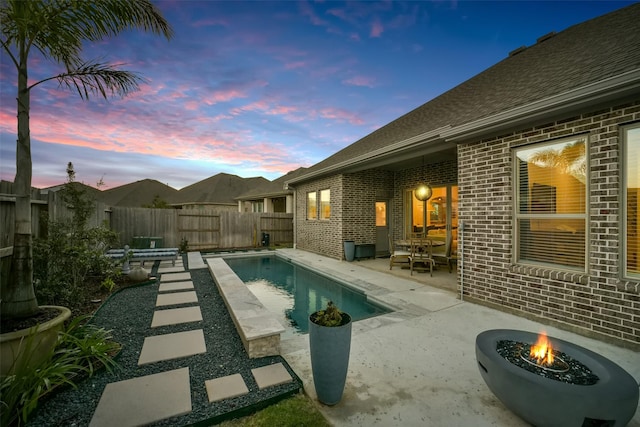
202	229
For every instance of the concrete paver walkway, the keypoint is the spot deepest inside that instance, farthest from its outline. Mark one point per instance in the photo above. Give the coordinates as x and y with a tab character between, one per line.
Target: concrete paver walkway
151	398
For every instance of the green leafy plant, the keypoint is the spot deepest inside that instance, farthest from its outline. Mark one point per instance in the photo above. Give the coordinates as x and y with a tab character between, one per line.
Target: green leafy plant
81	349
330	316
71	254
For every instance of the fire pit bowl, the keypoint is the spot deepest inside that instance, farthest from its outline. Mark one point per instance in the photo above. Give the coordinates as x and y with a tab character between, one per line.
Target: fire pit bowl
610	399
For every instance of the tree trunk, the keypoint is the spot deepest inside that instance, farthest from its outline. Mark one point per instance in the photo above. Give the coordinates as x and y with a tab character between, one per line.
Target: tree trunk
18	296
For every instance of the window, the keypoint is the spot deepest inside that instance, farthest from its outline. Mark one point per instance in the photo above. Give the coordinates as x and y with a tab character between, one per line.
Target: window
257	206
312	207
551	203
325	204
381	214
631	200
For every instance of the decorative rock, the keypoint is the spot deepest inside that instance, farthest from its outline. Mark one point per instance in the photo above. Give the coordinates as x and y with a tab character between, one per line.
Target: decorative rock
138	274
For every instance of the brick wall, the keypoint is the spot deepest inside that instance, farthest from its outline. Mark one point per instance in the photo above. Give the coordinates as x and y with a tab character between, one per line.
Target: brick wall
353	198
597	303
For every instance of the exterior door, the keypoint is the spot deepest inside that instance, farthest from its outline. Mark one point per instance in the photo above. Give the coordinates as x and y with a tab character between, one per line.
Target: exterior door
438	215
382	228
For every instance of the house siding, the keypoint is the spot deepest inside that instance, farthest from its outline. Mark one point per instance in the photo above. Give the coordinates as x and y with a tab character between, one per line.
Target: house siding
599	302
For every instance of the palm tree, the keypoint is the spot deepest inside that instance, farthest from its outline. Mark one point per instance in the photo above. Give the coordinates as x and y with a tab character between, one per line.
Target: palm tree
57	29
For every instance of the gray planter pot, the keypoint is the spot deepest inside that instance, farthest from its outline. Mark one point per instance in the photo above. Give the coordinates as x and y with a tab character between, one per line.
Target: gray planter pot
329	348
349	250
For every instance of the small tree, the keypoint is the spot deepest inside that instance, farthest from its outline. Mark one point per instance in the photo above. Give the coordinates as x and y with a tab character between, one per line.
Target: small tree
57	29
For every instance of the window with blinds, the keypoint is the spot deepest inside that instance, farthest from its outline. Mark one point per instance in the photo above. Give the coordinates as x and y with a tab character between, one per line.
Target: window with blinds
631	200
312	207
325	204
551	203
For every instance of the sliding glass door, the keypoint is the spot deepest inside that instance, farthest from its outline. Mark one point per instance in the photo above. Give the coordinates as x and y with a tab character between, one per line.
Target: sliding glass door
438	216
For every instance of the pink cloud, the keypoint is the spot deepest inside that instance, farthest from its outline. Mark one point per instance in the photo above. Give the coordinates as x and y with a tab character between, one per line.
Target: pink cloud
340	114
376	28
223	96
294	65
360	81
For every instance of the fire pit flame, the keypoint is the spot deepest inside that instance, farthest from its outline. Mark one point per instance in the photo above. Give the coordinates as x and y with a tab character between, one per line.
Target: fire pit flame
542	351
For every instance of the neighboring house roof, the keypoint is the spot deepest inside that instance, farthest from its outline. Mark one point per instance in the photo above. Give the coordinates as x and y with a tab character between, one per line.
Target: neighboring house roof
275	188
219	189
92	192
137	194
585	64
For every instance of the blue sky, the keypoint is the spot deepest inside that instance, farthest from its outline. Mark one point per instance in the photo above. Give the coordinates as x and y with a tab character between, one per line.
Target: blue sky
262	88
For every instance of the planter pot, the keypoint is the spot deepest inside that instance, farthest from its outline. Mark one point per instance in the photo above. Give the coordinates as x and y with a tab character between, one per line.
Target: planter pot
31	345
329	348
349	250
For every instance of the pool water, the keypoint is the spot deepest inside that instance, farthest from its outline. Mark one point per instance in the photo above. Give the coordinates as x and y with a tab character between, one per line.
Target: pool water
293	292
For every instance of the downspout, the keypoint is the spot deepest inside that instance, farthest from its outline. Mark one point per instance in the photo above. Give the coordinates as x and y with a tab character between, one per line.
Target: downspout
288	186
461	259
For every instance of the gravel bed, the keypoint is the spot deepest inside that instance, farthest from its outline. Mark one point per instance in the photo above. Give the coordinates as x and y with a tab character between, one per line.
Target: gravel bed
128	314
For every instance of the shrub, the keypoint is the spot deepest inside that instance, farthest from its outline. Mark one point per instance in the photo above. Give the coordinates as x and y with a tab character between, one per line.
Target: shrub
81	349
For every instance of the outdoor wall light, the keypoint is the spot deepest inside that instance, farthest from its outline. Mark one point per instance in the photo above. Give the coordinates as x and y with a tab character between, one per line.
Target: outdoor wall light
423	192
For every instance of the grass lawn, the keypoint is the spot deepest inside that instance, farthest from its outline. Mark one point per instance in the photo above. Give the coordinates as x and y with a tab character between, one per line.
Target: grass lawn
298	411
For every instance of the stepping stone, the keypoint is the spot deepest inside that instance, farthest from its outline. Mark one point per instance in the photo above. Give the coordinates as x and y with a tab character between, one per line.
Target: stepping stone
176	269
173	316
175	286
226	387
270	375
195	261
144	400
176	298
175	277
172	346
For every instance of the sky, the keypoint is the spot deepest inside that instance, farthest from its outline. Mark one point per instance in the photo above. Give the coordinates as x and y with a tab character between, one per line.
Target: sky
257	88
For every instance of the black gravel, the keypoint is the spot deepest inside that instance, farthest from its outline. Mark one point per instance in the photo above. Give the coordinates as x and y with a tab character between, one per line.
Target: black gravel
128	314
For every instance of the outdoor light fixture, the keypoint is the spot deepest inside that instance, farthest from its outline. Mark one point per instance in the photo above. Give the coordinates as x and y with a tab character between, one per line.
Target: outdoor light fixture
424	191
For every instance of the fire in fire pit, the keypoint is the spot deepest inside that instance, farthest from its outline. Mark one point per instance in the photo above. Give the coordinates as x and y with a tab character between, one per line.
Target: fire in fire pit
540	358
552	382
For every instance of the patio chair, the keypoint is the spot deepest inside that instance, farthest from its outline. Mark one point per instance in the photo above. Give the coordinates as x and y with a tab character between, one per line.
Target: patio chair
421	258
442	251
398	256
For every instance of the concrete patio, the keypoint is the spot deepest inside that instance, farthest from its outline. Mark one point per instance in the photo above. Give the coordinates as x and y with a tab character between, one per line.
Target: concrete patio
416	366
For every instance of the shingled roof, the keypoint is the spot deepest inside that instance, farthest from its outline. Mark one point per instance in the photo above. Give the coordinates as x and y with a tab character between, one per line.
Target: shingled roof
221	188
272	188
137	194
586	62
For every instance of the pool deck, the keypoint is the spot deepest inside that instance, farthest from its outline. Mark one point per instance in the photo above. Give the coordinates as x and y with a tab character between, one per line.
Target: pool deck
416	366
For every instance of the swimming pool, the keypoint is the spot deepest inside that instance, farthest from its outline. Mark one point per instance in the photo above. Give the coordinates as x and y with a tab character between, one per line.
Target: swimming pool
293	292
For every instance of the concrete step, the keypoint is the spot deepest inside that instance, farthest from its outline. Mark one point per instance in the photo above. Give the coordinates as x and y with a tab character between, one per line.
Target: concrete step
172	346
174	316
144	400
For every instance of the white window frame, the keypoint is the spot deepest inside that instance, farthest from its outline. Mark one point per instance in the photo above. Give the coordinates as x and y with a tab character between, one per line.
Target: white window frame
517	216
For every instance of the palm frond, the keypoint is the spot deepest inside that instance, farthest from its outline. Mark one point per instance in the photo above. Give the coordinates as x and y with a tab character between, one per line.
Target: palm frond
94	78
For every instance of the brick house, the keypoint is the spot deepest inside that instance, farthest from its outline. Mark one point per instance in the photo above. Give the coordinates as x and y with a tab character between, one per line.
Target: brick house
535	169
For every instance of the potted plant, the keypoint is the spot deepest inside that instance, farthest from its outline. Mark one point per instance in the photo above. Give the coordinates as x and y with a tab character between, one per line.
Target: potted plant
329	343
